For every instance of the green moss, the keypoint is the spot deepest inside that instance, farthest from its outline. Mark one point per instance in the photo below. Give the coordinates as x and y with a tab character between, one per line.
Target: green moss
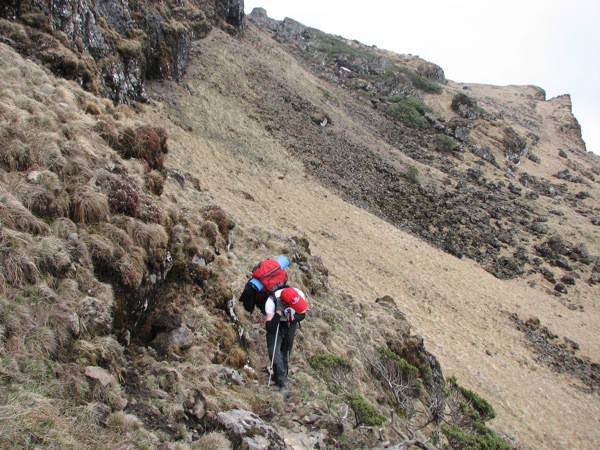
364	412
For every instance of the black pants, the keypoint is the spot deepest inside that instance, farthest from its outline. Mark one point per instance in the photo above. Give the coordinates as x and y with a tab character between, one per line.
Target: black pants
282	349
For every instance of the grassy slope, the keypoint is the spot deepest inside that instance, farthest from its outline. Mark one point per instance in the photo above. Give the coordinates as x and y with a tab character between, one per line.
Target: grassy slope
461	310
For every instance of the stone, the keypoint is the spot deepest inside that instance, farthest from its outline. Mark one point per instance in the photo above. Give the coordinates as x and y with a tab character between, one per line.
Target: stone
596	220
559	287
569	279
223	374
100	375
459	128
248	431
166	343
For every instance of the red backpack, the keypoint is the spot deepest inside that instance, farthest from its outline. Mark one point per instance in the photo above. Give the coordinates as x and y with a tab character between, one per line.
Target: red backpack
270	274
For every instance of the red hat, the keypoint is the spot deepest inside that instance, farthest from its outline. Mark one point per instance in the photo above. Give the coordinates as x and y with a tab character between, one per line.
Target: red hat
294	299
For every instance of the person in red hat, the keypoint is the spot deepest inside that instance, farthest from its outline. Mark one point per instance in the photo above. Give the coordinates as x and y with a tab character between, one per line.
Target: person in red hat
284	309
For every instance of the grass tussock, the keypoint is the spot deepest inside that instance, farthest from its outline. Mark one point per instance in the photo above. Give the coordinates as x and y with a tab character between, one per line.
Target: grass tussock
45	195
15	216
145	142
88	205
155	182
151	237
211	441
18	266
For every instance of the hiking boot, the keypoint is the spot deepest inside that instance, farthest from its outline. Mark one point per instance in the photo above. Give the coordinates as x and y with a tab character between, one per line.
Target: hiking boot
285	392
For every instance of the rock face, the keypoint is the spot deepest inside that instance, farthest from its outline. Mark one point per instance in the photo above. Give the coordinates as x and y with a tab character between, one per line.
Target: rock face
114	45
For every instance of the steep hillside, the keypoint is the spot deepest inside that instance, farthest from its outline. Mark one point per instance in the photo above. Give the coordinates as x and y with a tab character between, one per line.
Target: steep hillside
470	211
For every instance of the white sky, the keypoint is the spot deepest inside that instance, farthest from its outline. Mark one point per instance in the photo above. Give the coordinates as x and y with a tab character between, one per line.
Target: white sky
554	44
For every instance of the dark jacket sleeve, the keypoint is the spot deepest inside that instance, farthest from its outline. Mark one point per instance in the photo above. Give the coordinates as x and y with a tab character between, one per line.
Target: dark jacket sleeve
271	325
299	317
248	297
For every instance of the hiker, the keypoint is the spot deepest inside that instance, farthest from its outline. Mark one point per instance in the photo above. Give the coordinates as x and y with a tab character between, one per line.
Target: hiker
283	306
284	309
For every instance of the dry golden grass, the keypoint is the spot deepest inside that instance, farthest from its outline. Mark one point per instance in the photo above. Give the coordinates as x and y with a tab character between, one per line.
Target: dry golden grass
18	267
14	215
155	182
212	441
88	205
151	237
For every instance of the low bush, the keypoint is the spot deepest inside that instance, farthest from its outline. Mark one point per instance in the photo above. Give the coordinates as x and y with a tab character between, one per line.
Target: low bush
424	84
364	413
445	143
460	439
410	112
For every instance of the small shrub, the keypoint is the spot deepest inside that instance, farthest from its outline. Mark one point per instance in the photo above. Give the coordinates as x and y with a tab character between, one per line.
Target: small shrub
364	413
484	409
445	143
486	439
334	369
425	84
410	112
412	174
121	191
407	370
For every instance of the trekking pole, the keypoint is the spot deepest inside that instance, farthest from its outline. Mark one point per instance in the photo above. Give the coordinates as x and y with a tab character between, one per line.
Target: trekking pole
273	358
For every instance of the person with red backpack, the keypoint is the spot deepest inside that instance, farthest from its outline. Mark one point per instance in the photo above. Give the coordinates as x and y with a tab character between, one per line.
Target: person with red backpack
284	309
283	306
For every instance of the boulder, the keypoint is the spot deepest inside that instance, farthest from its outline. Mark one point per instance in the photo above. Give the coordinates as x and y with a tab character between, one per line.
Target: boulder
171	341
248	431
459	128
465	106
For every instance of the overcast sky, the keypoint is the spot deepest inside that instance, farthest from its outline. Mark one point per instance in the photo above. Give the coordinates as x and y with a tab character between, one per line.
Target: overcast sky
554	44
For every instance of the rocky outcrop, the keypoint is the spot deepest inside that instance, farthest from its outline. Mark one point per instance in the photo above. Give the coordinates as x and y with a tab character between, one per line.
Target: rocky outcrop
120	43
465	106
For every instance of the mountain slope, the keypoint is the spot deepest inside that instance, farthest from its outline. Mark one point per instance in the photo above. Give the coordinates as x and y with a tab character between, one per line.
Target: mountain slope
126	231
461	311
